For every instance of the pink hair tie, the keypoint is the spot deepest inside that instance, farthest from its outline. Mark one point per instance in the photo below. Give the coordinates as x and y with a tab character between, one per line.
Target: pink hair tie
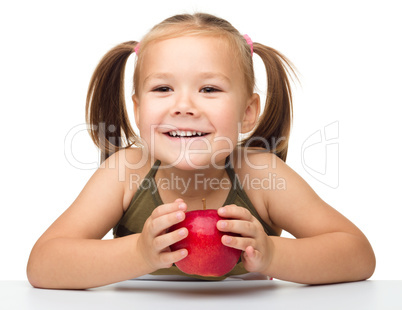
249	42
136	48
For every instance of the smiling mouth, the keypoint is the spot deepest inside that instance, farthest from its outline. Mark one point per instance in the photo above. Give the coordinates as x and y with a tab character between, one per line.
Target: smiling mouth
186	134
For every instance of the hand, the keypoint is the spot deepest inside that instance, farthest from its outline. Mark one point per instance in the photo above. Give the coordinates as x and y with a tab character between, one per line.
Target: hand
154	241
256	245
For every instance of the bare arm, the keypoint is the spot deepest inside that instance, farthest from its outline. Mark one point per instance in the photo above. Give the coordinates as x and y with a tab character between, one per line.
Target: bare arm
328	248
326	258
70	253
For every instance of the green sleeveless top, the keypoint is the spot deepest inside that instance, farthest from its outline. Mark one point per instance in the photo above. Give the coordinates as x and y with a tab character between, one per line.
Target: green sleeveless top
147	198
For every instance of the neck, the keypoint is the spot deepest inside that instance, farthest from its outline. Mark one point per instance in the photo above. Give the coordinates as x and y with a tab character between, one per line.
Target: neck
192	185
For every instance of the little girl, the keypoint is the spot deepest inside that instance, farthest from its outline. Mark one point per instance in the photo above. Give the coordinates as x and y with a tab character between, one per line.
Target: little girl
193	98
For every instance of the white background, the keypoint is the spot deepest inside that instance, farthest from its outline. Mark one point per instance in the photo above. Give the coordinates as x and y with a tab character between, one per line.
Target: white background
348	54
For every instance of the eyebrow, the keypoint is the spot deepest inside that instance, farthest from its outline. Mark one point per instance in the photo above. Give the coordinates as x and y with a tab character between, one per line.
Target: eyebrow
203	75
157	76
221	76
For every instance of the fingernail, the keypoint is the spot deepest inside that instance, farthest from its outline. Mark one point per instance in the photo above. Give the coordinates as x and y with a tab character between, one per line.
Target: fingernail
179	215
221	211
183	252
222	224
228	239
182	206
182	232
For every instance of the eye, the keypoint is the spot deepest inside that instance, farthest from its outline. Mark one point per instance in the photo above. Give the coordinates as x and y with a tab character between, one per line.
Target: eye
162	89
209	89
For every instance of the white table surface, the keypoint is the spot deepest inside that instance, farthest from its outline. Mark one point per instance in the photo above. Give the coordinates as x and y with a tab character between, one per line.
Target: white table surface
192	295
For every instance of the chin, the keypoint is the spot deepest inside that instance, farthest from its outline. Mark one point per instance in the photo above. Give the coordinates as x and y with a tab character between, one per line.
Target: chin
189	165
194	161
203	163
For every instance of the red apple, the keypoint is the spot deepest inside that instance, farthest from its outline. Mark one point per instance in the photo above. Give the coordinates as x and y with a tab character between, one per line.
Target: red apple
207	256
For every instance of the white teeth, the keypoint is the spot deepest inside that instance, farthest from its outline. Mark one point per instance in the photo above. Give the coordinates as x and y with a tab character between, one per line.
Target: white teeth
185	133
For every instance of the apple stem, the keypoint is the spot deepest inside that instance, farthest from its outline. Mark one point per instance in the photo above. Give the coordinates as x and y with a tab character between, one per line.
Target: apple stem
204	204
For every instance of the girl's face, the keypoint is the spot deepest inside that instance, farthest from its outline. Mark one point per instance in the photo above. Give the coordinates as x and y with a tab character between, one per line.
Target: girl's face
192	103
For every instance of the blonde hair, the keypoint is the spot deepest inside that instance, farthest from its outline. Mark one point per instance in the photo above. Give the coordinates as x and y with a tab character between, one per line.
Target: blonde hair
106	112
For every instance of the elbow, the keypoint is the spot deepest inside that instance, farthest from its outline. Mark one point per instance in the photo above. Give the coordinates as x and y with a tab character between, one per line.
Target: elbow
33	281
37	278
359	261
33	275
370	265
34	270
367	262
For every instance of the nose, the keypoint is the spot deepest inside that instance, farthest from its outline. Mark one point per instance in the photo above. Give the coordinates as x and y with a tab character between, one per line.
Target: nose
183	112
184	106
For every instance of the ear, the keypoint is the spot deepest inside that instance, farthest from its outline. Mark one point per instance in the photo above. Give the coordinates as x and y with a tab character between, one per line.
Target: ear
136	109
251	113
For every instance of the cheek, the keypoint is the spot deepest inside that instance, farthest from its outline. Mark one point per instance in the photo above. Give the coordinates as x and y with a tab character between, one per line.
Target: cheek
232	116
145	113
143	122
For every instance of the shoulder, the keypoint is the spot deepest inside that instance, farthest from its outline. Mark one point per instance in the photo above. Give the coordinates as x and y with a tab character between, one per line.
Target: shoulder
255	155
282	191
258	173
133	156
129	166
270	182
277	179
259	162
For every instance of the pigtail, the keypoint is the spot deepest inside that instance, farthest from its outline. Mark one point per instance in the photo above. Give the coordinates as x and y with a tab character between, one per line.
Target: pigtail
106	112
273	129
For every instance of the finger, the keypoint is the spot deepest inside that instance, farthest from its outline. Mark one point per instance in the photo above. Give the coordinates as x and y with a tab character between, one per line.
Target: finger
177	205
244	228
162	223
239	243
251	259
249	253
163	241
235	212
168	258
